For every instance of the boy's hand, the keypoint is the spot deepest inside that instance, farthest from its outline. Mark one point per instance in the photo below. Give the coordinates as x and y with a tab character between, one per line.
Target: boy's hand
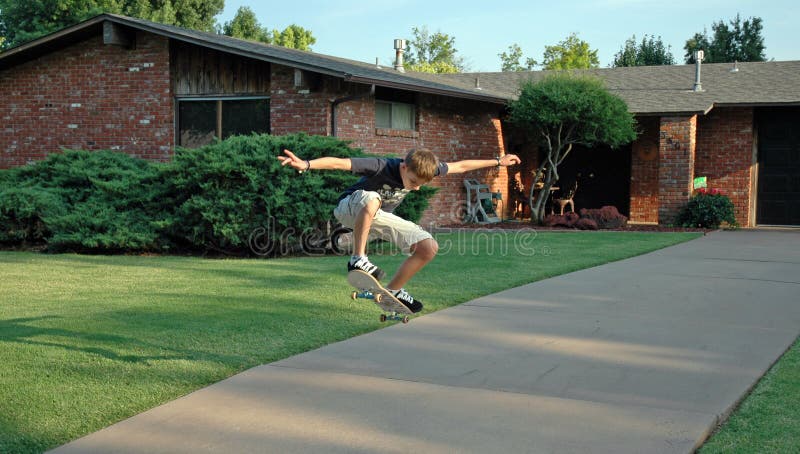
293	161
509	160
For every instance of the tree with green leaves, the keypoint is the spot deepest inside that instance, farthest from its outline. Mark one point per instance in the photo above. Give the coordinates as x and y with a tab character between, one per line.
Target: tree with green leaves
510	61
432	52
245	25
741	41
438	67
294	37
21	22
563	110
650	52
571	53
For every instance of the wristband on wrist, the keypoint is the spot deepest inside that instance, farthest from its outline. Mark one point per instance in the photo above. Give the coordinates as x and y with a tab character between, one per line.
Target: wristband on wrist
498	160
308	167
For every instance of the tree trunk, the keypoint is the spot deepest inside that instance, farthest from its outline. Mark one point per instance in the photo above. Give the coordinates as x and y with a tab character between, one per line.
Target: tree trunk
538	202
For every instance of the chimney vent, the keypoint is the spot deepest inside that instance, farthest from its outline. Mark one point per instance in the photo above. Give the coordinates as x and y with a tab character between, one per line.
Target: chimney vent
698	59
735	68
400	48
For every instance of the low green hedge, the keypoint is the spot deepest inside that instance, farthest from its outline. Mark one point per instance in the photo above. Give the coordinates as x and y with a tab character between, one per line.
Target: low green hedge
232	196
79	200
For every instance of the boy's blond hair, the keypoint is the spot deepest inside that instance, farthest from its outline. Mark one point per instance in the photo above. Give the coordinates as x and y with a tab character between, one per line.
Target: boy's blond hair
422	162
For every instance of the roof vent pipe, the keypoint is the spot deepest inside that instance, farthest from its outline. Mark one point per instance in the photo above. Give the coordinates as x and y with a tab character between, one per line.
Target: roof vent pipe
698	58
735	68
399	48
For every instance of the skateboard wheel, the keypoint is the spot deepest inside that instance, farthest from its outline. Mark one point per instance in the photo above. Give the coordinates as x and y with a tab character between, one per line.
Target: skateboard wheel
378	298
354	295
405	319
383	318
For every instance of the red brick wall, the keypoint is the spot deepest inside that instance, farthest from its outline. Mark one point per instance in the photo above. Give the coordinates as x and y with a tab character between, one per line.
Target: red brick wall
66	99
298	108
644	172
453	129
725	155
677	145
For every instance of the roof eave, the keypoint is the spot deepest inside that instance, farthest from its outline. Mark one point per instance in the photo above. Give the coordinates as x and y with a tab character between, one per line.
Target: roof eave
30	47
224	48
674	113
429	90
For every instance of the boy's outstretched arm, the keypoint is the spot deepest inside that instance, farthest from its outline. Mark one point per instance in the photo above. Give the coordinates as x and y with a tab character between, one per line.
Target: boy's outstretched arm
475	164
324	163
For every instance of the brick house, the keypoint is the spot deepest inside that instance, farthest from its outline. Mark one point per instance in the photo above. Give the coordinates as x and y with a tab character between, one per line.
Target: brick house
114	82
739	129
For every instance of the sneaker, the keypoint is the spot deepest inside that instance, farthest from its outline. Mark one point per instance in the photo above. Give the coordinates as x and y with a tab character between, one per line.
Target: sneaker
363	264
408	301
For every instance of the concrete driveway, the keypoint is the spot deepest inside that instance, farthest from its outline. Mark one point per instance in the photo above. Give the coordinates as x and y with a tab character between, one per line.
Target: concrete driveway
642	355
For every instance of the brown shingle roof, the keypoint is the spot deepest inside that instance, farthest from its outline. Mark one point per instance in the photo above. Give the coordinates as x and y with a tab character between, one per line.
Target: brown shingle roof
648	90
347	69
668	89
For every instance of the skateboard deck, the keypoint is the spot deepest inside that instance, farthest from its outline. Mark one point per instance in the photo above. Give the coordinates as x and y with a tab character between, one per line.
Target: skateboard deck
369	288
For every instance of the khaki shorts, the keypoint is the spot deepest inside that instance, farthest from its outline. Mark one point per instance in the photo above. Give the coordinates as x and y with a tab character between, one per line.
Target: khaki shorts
386	226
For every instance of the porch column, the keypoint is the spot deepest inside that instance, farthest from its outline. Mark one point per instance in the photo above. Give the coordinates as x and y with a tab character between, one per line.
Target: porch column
677	146
498	182
644	173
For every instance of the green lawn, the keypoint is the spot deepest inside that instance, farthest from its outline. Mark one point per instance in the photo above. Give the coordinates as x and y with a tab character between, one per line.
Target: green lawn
86	341
768	420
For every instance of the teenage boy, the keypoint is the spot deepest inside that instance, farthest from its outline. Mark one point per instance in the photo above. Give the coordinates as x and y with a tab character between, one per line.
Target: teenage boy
366	207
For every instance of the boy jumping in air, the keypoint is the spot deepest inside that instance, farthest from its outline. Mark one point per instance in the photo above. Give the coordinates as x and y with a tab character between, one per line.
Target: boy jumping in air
366	207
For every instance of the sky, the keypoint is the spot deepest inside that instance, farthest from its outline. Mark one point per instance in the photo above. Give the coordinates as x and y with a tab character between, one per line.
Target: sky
365	30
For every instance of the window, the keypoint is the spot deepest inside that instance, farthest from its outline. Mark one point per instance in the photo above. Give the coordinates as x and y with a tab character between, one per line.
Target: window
395	115
201	120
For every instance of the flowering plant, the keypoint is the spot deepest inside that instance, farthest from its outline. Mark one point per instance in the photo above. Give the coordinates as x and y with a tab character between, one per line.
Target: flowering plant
708	208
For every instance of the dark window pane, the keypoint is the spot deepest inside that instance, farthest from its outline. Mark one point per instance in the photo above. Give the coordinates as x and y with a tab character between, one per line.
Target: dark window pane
245	117
383	114
403	116
197	123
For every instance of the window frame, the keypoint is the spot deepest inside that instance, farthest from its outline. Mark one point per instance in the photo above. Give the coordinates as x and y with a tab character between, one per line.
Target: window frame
392	124
218	122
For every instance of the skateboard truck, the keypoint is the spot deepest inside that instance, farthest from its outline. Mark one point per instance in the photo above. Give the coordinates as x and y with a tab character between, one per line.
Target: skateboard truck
366	294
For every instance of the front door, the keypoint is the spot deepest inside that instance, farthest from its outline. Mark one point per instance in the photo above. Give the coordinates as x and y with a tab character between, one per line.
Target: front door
603	175
778	167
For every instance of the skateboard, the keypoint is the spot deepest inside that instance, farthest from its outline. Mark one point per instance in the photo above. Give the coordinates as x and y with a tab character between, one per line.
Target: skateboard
369	288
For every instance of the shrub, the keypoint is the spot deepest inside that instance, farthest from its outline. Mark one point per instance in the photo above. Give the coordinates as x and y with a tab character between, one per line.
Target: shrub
226	192
23	214
607	217
568	220
586	224
80	200
232	196
708	208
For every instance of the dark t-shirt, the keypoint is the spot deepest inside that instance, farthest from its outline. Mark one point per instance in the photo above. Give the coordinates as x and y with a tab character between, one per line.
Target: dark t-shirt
382	175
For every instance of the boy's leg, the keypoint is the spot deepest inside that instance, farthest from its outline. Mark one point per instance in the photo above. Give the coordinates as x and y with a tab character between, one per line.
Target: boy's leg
357	211
363	222
421	254
411	239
